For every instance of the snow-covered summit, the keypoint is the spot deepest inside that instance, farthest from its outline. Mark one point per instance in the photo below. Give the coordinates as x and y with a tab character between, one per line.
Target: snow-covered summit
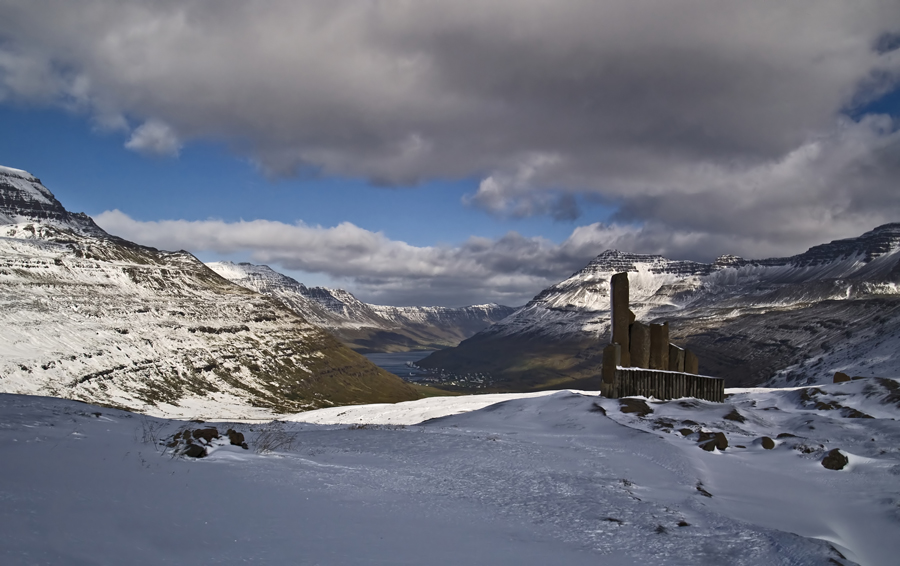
23	199
366	326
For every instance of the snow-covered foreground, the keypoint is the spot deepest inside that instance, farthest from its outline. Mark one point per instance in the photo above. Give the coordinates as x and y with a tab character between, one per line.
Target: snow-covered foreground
562	478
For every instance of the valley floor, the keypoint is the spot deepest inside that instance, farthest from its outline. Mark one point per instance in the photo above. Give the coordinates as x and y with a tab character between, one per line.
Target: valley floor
553	478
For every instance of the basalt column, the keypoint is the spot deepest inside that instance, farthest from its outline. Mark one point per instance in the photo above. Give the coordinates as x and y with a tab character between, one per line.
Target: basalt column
691	363
659	346
676	358
622	317
611	358
640	345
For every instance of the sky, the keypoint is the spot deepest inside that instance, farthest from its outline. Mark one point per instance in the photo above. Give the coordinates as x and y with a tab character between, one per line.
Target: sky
453	153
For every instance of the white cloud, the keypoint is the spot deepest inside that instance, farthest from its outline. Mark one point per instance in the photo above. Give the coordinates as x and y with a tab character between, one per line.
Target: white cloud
154	138
508	270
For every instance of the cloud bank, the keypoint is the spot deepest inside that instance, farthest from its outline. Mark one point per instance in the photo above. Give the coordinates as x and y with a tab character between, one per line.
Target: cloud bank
509	270
716	125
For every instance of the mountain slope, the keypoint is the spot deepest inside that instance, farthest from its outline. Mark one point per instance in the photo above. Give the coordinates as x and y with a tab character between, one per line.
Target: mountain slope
749	320
88	316
365	327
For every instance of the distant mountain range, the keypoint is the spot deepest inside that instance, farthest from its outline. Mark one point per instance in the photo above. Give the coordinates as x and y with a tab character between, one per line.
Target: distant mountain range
365	327
793	320
89	316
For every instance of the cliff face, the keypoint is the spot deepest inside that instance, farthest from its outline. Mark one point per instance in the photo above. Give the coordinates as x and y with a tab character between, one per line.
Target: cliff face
365	327
741	316
93	317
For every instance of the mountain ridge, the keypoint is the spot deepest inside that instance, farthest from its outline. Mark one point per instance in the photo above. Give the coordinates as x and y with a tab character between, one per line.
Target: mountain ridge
90	316
363	326
556	337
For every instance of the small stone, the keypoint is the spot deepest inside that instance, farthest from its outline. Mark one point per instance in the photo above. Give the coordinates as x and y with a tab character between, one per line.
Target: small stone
207	434
685	431
835	460
841	377
734	415
710	440
194	451
635	406
235	438
767	443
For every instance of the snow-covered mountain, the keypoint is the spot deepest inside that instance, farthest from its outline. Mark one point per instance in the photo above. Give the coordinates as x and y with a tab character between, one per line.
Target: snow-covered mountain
93	317
366	327
749	320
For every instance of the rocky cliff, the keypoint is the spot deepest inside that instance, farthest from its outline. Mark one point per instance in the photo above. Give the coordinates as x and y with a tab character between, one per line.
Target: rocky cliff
366	327
750	321
92	317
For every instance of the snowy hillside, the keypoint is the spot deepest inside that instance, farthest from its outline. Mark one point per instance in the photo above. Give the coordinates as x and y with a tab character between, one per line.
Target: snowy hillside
562	478
365	327
88	316
755	305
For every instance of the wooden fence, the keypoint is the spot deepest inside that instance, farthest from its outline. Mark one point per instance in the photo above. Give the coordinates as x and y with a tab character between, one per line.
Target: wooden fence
664	385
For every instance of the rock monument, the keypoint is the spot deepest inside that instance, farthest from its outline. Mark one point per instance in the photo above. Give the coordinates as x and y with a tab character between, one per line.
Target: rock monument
640	360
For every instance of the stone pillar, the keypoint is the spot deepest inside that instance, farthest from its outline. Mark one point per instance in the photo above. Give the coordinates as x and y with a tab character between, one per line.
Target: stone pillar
612	357
676	358
621	315
659	346
691	362
640	345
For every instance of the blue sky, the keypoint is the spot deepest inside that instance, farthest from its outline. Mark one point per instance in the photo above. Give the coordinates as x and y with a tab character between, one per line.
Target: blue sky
428	153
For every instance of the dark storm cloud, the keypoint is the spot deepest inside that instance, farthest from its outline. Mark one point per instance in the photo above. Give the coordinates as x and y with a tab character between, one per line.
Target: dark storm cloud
716	122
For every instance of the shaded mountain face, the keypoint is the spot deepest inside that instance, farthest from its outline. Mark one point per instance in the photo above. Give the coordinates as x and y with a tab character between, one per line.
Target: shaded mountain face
793	320
96	318
365	327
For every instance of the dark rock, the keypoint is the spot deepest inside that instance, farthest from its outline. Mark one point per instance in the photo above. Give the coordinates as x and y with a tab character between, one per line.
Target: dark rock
685	431
840	377
194	451
595	408
767	443
851	413
207	434
734	415
710	440
835	460
786	435
638	406
235	438
702	490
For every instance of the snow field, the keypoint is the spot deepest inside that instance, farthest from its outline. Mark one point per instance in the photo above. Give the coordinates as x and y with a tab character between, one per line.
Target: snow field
555	478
